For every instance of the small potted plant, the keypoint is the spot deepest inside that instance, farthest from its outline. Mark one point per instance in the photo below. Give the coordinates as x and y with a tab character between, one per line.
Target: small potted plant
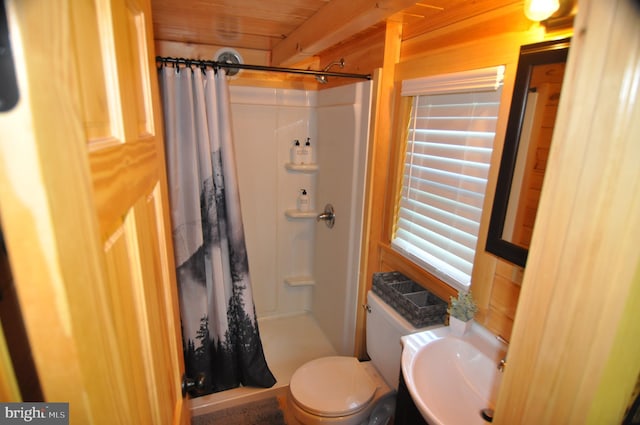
461	313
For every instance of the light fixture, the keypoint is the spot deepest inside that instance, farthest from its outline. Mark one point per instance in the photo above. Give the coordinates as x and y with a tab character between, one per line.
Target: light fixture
539	10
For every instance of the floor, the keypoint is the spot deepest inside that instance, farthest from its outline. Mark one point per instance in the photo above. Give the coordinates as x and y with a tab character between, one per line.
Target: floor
288	343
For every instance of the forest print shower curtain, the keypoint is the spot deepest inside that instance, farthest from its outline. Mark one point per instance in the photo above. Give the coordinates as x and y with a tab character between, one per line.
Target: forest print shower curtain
220	332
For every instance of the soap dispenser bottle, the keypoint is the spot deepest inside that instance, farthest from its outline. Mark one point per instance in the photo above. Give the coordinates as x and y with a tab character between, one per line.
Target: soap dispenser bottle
307	152
303	201
296	153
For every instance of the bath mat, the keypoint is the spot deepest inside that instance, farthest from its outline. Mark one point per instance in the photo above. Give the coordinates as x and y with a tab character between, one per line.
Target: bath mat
262	412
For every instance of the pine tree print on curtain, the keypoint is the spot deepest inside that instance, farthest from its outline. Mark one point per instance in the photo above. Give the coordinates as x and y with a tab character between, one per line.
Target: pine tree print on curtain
220	332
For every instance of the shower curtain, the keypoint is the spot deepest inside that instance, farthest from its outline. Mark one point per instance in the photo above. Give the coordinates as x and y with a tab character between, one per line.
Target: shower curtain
220	332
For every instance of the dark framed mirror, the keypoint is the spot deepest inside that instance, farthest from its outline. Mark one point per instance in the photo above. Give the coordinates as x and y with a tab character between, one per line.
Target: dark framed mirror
532	115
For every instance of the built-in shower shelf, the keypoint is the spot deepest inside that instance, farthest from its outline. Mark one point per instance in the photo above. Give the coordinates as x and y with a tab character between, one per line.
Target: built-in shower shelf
302	168
300	281
300	214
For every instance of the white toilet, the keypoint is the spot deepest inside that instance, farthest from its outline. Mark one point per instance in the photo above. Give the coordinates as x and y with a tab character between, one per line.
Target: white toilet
342	390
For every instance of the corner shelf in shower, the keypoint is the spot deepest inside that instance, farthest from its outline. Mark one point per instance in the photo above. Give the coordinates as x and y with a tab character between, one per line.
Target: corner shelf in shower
303	168
300	281
300	214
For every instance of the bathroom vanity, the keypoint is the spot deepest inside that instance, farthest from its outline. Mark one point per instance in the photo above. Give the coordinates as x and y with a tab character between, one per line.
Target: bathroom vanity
406	411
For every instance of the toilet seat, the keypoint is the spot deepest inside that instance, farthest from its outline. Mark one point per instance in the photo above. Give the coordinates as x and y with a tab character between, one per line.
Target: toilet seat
332	386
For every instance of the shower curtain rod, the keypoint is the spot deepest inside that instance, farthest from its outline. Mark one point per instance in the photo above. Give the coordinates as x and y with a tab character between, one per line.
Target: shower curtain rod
214	64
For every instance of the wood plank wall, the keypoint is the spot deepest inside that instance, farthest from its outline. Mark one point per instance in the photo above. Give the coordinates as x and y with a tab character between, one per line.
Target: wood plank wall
575	353
362	55
483	39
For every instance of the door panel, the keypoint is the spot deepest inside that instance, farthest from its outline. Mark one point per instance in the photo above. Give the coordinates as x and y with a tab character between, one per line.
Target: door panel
132	212
101	87
84	201
98	83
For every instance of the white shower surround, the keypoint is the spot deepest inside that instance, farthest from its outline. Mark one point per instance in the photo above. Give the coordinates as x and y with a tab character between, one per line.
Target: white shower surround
265	124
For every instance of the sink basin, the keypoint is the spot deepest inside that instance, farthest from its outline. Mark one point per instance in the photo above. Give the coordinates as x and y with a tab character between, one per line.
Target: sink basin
450	378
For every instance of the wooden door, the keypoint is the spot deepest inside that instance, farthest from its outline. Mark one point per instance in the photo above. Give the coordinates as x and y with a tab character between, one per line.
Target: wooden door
84	209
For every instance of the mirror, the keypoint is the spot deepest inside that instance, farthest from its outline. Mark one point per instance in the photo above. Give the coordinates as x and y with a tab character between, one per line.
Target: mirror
532	116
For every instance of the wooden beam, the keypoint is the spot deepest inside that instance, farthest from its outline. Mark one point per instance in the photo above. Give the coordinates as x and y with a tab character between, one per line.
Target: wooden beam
333	23
377	168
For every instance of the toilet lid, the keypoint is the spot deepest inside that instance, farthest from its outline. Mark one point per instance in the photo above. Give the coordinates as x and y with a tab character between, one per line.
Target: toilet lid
332	386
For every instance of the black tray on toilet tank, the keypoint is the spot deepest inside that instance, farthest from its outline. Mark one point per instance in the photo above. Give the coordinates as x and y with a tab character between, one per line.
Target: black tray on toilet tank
413	302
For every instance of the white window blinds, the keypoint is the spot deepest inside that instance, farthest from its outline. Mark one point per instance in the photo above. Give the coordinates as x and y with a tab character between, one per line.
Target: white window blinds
449	144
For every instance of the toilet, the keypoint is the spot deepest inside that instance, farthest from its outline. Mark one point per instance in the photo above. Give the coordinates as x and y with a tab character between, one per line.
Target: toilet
342	390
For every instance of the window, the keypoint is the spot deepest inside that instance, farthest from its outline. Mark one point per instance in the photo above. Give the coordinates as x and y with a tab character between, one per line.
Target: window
449	144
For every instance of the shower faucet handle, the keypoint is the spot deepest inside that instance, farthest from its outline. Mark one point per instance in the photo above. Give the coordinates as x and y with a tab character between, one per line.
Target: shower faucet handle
328	216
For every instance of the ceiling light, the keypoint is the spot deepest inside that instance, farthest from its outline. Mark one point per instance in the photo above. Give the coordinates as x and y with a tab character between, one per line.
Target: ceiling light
539	10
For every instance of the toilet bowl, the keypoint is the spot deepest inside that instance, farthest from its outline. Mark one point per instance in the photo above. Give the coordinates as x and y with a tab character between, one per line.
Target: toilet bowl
336	390
342	390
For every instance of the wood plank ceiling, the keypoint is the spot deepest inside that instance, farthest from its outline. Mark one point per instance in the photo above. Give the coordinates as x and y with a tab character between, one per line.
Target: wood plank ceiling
291	30
249	24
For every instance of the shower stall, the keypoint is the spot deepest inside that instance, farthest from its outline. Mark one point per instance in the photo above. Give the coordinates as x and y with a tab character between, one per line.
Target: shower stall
304	274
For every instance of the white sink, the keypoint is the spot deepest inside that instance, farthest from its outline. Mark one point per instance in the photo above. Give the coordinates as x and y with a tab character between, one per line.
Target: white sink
451	379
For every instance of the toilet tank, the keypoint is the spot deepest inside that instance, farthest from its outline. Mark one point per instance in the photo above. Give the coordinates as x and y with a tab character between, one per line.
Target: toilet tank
384	328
